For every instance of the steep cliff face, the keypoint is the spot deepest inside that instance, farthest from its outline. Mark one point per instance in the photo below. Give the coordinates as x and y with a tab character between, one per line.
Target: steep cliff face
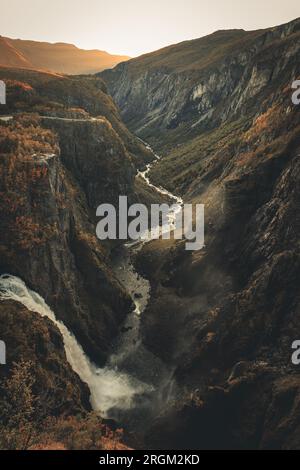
174	94
226	317
49	239
94	153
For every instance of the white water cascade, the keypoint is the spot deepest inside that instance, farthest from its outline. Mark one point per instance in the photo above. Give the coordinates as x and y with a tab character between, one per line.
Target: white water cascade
119	386
109	387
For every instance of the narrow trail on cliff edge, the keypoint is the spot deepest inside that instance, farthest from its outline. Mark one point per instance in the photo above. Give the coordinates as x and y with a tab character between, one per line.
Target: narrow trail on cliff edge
135	383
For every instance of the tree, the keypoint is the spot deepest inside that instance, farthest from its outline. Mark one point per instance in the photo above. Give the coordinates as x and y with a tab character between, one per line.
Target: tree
17	408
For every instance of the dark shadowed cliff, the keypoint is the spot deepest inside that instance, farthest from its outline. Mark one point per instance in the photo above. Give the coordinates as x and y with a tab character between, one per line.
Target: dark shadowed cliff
219	110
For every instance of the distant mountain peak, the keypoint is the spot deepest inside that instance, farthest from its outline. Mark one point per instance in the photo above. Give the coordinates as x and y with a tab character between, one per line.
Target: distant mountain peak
11	57
57	57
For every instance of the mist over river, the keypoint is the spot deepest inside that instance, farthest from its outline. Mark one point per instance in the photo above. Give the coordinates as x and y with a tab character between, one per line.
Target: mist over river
134	384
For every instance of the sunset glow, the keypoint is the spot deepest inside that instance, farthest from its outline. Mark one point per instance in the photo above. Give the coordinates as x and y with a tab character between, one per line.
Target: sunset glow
137	26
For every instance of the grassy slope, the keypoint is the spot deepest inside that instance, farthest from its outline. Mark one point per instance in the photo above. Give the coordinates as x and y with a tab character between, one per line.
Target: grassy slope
196	54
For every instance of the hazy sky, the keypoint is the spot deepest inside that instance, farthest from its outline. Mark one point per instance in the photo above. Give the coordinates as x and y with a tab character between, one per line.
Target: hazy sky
136	26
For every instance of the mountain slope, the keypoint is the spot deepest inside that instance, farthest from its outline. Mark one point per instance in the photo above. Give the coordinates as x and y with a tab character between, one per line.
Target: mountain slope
57	95
58	57
225	317
50	239
172	95
71	152
11	57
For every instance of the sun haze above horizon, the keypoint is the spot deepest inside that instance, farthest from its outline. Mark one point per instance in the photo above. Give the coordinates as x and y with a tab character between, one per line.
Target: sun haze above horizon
136	27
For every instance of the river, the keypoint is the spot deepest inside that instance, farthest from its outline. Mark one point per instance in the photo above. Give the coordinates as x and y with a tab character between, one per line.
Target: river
134	382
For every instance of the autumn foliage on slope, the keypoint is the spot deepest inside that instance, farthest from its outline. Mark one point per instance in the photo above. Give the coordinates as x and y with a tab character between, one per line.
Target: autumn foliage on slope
25	426
24	145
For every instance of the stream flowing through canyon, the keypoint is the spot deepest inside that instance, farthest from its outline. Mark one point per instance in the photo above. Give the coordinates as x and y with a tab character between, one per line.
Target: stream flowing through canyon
134	384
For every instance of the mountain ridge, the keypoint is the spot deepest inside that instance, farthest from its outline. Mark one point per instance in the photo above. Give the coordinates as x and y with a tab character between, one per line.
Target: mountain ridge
168	97
209	37
57	57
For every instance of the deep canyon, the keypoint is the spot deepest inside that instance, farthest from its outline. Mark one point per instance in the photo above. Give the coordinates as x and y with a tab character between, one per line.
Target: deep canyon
184	350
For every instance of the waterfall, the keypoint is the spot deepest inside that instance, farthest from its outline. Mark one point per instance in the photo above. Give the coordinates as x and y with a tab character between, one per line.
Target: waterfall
110	389
120	386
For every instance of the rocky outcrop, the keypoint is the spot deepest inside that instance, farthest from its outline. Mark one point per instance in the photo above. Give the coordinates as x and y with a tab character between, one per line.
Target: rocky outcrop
97	158
36	340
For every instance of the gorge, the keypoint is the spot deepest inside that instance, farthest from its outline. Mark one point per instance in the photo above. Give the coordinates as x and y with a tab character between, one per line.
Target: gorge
117	390
183	349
